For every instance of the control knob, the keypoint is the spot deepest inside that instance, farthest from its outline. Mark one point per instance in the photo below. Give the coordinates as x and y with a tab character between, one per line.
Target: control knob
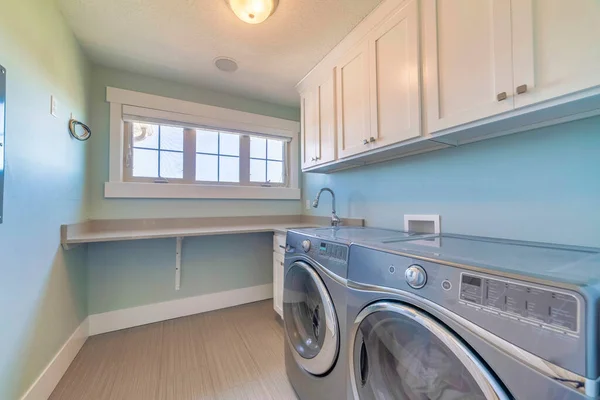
306	245
416	277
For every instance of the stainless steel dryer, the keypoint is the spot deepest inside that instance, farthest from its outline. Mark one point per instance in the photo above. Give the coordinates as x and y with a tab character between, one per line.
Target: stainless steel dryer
455	317
314	307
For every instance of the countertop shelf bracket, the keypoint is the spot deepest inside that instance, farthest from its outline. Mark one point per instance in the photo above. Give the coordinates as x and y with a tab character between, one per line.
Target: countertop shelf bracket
178	262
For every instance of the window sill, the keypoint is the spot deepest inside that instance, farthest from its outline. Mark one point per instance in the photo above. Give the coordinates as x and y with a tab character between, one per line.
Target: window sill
138	190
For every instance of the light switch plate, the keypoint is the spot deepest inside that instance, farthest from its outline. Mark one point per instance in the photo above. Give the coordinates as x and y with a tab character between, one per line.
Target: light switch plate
53	106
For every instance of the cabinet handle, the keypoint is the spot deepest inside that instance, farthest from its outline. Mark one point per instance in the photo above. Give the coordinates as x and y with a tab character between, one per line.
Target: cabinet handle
501	96
521	89
313	159
282	246
280	263
365	141
372	139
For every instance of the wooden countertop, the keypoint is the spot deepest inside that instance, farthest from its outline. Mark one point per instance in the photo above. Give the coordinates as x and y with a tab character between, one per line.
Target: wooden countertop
135	229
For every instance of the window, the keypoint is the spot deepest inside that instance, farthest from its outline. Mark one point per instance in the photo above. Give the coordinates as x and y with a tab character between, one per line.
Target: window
266	160
161	154
157	151
165	148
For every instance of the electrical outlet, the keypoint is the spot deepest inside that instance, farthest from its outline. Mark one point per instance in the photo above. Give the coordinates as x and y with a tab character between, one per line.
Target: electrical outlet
307	205
53	106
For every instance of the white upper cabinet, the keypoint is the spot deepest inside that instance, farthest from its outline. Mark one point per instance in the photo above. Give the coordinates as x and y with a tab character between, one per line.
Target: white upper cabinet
420	75
310	127
353	101
467	60
556	47
326	147
395	78
318	123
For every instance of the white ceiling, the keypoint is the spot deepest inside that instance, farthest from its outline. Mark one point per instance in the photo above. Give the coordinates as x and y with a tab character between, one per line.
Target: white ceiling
179	39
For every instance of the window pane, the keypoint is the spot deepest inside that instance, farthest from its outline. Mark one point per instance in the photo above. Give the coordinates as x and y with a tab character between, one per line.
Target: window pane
275	150
258	147
230	144
207	142
258	170
171	138
145	163
229	169
207	168
171	164
275	171
145	135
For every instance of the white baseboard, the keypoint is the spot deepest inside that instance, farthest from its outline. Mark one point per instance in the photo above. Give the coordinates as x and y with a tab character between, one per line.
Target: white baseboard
147	314
45	383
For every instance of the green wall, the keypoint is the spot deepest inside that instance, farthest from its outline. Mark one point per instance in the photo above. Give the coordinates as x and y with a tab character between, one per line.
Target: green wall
42	288
140	272
102	208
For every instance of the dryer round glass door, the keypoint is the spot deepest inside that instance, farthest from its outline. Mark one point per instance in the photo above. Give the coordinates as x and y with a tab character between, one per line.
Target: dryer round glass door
400	352
310	320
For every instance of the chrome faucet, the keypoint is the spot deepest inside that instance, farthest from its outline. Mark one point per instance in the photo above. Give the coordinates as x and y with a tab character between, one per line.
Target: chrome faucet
335	220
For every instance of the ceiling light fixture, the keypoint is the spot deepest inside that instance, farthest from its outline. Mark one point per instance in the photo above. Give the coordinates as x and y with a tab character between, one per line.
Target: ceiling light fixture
253	11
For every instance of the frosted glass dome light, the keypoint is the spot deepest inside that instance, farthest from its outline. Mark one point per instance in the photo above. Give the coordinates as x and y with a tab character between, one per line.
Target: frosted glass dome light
253	11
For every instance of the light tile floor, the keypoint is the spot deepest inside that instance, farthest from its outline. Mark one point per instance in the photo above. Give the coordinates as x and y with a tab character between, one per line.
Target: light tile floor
235	353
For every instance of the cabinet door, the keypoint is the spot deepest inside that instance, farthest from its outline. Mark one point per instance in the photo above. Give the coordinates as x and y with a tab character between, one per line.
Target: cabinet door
556	46
468	60
353	101
310	127
395	78
326	146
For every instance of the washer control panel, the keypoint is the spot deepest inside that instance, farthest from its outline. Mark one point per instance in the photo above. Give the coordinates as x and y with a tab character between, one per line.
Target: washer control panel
331	255
534	304
332	250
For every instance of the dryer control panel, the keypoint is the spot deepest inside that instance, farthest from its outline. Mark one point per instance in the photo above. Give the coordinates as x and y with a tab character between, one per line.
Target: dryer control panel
529	303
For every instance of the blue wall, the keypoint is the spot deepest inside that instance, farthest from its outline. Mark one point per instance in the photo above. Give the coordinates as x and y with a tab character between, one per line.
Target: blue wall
42	288
541	185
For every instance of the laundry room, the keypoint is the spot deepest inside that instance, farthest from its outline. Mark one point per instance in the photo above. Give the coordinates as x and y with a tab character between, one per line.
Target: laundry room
299	199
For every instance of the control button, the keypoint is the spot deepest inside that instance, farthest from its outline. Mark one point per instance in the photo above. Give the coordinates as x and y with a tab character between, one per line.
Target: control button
392	269
446	285
306	245
416	277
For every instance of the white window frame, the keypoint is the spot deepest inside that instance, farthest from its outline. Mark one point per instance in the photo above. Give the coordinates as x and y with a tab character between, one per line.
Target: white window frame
129	105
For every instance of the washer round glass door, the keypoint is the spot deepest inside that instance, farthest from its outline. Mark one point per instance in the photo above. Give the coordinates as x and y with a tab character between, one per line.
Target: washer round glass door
310	319
400	352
